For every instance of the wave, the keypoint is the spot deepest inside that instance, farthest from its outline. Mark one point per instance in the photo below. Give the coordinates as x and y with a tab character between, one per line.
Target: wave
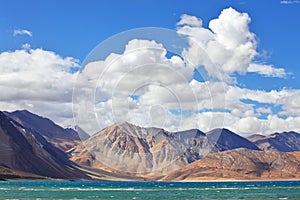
139	189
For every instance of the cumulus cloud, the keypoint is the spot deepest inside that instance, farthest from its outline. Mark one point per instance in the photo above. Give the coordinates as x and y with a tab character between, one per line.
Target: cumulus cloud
229	44
17	32
189	20
37	80
142	70
231	28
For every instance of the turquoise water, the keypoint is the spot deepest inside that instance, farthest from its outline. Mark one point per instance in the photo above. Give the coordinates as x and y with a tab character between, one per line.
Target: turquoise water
149	190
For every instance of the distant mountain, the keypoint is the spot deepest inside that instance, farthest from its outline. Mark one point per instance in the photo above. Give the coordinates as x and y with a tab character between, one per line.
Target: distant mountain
53	133
240	164
124	147
28	151
284	142
130	148
225	139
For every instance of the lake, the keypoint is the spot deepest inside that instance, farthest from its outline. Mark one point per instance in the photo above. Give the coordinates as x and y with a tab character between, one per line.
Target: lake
149	190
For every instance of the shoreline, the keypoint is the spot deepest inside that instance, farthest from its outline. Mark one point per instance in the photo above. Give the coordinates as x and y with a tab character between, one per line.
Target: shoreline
122	181
234	180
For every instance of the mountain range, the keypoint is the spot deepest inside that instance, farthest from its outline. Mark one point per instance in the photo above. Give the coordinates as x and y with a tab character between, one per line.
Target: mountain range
126	147
34	147
285	142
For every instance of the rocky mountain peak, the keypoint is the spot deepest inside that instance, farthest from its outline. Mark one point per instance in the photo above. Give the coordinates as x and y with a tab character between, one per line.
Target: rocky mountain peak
225	139
124	146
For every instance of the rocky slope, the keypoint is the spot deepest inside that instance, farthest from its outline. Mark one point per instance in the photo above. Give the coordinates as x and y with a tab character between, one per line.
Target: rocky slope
7	173
128	148
240	164
283	142
25	150
53	133
225	139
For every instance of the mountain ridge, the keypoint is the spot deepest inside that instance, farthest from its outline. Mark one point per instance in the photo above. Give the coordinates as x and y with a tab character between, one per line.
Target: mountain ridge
283	142
63	138
125	151
226	140
138	149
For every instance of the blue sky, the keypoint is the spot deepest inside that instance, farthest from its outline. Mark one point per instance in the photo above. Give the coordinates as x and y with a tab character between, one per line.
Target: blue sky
74	28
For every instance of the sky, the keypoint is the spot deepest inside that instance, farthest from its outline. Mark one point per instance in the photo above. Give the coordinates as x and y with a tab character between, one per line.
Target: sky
251	70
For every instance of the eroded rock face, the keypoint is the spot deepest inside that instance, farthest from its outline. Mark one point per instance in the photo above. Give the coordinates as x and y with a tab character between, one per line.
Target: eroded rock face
241	164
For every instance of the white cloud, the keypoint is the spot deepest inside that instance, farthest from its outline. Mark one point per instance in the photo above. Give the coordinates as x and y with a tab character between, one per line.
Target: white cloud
229	44
145	86
264	110
143	70
267	70
189	20
231	28
245	126
244	118
22	32
226	48
37	80
287	99
272	124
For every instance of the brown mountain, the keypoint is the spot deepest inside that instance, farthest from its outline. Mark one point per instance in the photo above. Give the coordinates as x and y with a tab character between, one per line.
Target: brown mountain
25	150
284	142
133	149
53	133
124	147
240	164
